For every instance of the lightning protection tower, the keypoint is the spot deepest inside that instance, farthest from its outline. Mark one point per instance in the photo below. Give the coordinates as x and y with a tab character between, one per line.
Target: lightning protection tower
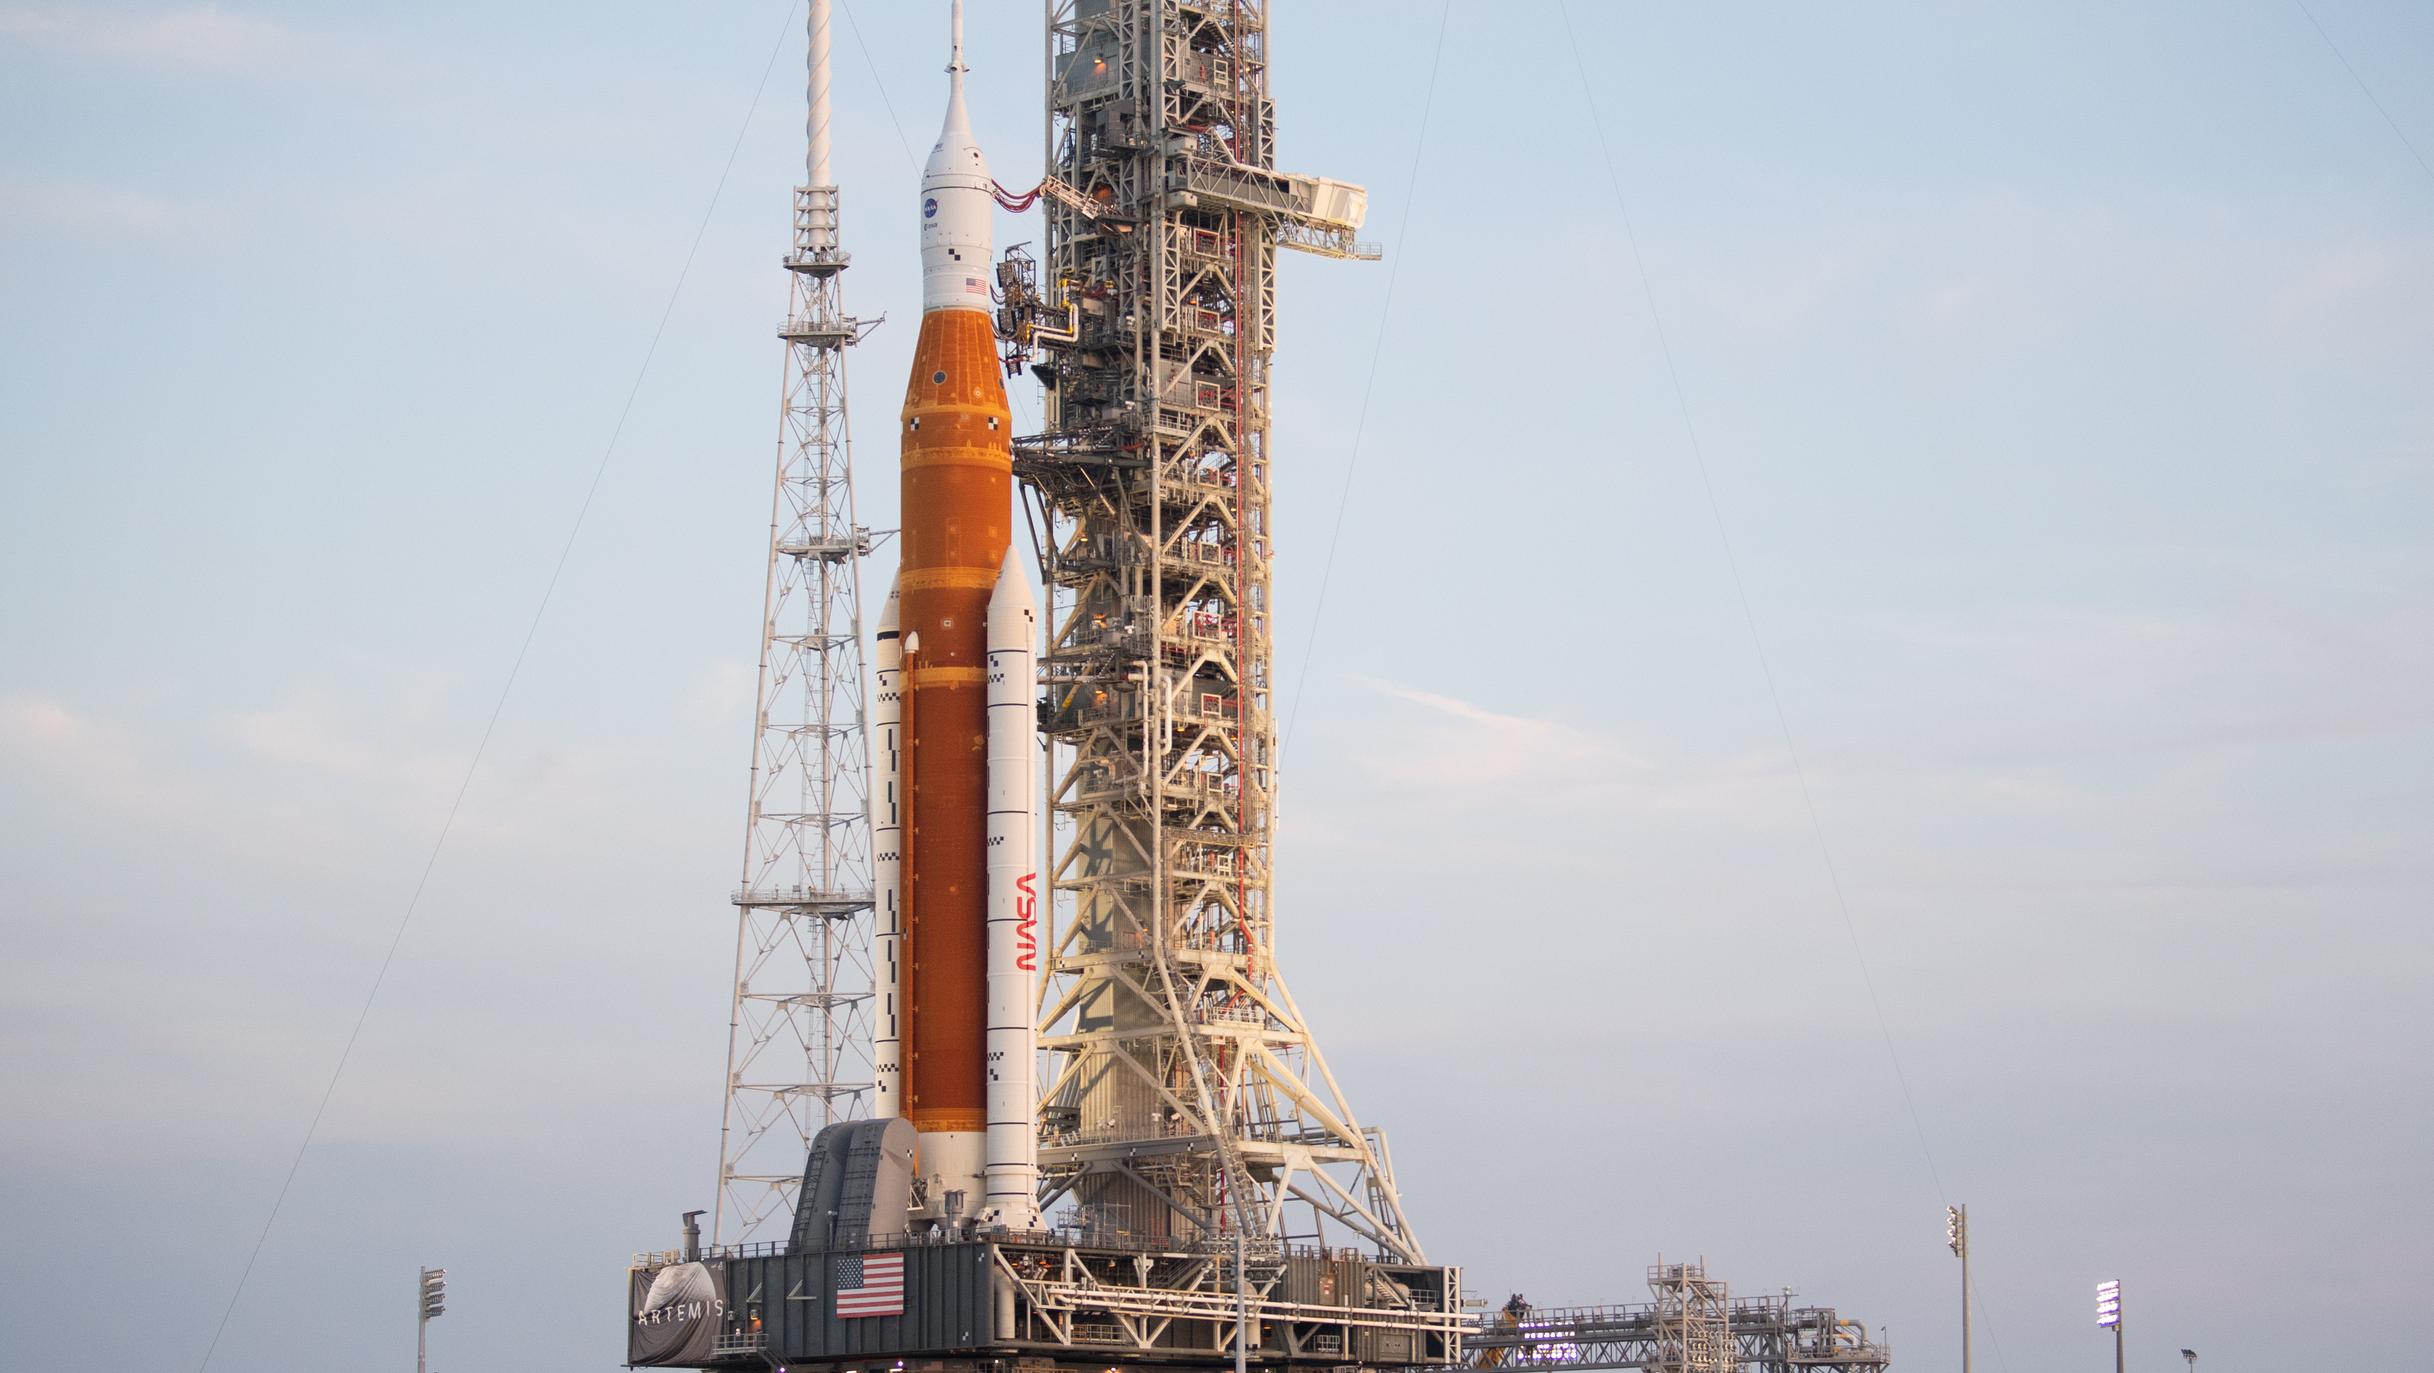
798	1047
1187	1100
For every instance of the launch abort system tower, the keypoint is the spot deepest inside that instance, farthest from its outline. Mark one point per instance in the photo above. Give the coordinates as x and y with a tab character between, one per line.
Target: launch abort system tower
1187	1100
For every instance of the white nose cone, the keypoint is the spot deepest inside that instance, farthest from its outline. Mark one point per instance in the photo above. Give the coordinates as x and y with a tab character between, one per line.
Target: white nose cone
1013	612
956	195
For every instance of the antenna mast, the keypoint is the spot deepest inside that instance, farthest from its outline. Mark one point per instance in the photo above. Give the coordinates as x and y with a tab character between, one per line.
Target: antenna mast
798	1046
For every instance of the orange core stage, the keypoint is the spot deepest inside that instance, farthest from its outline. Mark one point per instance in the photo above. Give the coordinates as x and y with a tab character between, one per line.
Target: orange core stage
958	503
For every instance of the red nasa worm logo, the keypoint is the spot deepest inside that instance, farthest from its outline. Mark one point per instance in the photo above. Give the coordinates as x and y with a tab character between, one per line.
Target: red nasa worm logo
1026	921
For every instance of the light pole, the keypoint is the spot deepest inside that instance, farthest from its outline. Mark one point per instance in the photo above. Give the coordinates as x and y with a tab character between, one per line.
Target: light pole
1956	1234
430	1299
2108	1315
2191	1356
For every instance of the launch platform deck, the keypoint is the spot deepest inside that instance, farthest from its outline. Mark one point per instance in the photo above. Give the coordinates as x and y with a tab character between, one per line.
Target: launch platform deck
1047	1301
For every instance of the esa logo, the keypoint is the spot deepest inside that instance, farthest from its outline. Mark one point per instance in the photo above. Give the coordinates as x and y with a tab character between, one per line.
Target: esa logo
929	208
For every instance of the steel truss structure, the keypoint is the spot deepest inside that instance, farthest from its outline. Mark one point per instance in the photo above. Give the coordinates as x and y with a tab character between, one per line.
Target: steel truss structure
1693	1324
1693	1319
1186	1100
1313	1305
798	1050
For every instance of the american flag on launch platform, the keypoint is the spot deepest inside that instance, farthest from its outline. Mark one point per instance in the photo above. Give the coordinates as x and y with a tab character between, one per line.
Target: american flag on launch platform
869	1285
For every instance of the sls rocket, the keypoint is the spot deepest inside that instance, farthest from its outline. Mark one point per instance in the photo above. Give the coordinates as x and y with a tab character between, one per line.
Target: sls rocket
955	743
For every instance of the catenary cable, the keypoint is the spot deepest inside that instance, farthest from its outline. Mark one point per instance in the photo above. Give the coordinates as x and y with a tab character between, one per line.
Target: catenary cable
532	629
2364	89
1749	620
878	83
1377	350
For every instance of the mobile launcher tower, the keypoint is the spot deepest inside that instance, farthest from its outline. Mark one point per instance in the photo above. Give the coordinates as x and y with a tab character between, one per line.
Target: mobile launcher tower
1187	1186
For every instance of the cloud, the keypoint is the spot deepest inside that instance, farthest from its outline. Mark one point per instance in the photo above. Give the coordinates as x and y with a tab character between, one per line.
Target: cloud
292	832
2059	683
93	759
241	1070
44	723
2025	748
1464	745
345	774
312	755
303	736
106	208
2373	290
194	38
72	749
1465	755
2001	265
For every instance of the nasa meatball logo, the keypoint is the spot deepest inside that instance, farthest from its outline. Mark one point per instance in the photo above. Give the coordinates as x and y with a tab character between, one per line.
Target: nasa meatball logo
929	208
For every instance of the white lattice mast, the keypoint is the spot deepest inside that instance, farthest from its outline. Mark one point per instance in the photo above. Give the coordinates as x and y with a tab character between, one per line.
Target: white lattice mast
798	1047
1187	1100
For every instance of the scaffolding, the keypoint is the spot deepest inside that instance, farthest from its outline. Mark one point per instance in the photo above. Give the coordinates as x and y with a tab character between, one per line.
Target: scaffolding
1186	1100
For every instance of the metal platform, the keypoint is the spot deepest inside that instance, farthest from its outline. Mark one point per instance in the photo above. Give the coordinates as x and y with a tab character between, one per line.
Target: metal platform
1693	1326
1050	1301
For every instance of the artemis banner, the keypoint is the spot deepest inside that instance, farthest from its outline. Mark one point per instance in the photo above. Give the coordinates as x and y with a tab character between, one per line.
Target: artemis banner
676	1313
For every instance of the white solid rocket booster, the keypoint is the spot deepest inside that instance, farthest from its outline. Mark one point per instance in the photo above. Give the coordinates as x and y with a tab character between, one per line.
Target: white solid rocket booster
1014	898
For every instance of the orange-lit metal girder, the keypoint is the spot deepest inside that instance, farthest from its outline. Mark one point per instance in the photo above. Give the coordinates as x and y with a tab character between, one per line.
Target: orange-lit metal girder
957	513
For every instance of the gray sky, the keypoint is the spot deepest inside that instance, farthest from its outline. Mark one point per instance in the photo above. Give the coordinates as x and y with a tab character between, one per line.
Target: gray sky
2061	373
